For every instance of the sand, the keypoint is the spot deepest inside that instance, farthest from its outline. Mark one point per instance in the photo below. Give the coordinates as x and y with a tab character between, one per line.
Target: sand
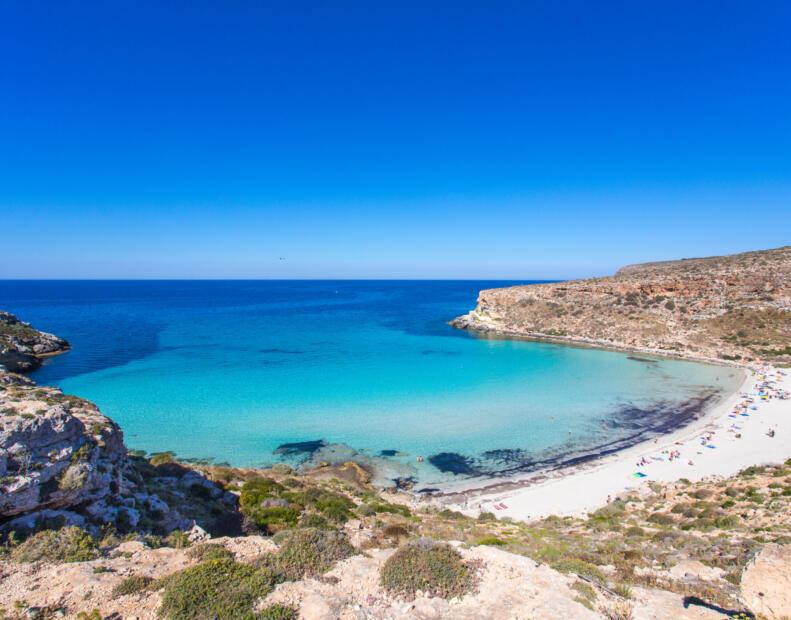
578	490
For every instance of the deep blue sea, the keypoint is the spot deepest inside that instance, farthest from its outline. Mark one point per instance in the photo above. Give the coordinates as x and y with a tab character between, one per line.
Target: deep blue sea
236	371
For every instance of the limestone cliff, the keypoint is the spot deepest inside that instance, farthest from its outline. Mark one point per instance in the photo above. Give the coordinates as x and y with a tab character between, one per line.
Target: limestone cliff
735	307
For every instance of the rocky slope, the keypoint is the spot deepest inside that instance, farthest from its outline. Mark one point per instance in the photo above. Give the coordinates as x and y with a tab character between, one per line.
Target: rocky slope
22	346
734	307
701	550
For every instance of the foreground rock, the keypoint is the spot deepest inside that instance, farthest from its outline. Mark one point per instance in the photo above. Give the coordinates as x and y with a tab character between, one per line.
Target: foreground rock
56	452
766	582
729	308
22	347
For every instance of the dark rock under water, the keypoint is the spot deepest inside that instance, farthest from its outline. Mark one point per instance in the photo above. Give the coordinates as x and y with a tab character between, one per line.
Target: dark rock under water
300	447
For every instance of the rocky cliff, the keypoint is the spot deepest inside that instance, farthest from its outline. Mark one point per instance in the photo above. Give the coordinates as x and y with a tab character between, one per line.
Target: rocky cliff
735	307
64	463
22	347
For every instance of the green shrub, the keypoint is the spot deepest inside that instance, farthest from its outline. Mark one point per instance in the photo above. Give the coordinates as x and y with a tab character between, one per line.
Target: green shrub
215	590
283	469
274	518
132	585
395	532
623	590
364	510
68	544
160	458
308	553
435	568
661	518
208	552
278	612
451	514
635	530
396	509
487	516
178	540
613	509
577	566
256	490
313	520
492	541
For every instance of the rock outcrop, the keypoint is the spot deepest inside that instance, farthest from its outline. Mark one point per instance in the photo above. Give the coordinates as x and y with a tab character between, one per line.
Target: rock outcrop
728	308
57	453
22	347
766	582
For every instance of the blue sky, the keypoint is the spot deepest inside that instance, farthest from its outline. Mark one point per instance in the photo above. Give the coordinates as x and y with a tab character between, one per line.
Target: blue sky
412	139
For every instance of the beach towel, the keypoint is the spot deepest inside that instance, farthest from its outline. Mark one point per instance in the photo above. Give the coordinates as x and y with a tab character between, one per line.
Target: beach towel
712	447
639	474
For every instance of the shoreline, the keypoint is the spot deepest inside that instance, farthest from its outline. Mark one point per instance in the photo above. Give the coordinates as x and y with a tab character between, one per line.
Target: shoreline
481	329
579	488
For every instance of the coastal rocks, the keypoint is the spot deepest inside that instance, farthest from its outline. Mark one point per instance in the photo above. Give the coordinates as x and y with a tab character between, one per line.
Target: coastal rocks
22	346
766	582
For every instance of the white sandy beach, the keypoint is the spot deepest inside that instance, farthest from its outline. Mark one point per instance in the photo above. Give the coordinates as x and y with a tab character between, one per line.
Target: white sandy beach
577	491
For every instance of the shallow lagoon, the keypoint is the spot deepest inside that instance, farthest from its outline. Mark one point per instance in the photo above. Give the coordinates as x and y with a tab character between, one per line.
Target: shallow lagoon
233	370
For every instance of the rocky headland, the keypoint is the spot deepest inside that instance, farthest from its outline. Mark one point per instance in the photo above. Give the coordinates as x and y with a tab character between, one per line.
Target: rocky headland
22	347
724	308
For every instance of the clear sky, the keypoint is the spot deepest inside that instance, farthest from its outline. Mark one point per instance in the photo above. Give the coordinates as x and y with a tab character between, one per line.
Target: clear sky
422	139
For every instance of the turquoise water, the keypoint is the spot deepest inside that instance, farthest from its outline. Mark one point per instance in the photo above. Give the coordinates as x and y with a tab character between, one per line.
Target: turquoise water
233	370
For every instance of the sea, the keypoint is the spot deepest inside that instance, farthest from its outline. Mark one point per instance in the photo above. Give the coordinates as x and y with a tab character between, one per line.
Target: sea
253	373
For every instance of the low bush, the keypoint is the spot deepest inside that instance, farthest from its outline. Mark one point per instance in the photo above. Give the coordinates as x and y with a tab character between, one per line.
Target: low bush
256	490
68	544
278	612
395	532
161	458
661	518
209	552
492	541
132	585
274	518
436	569
217	589
451	514
313	520
577	566
307	553
396	509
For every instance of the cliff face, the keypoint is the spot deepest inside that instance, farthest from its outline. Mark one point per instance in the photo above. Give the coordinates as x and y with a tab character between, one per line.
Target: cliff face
734	307
56	452
22	346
